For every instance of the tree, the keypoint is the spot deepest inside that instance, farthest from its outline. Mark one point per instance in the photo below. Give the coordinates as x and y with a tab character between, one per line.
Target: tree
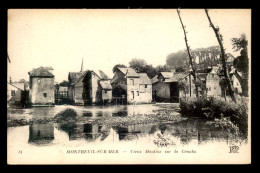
150	70
64	83
118	65
189	54
138	63
179	69
178	59
163	68
222	56
241	63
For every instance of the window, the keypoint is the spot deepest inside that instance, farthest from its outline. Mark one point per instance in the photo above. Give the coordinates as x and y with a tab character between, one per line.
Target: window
137	93
214	88
209	88
145	86
133	94
44	94
132	81
13	93
105	91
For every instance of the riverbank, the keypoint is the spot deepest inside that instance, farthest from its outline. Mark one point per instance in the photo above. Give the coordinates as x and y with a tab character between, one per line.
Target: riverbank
62	118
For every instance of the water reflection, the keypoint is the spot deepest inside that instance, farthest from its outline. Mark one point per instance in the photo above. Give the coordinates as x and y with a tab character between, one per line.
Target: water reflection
41	133
87	131
161	135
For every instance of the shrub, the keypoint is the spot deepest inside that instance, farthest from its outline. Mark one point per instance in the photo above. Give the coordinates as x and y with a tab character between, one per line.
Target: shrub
215	108
66	115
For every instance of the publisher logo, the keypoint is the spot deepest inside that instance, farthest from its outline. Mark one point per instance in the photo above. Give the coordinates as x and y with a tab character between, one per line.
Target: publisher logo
233	149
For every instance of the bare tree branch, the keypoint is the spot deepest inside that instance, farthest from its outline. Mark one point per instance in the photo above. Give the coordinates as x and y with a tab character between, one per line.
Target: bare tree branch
222	56
189	54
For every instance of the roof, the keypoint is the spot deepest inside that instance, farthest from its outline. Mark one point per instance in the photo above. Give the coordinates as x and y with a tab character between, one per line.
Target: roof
74	77
176	77
144	79
154	79
167	75
230	58
106	85
129	72
17	85
100	74
214	70
41	72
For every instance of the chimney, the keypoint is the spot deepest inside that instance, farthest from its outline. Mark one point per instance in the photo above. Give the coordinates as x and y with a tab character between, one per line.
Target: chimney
10	80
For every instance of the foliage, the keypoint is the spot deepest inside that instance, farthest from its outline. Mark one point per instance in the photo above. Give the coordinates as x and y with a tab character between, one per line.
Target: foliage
66	115
150	70
163	68
217	108
64	83
137	63
241	63
239	43
143	67
180	69
206	56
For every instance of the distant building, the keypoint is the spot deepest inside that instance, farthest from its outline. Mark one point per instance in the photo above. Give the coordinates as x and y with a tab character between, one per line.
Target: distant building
131	87
16	94
75	88
41	86
61	95
165	87
213	83
96	88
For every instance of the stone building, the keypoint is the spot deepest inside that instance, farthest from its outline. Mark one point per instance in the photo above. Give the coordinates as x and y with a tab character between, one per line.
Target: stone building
96	88
165	87
131	87
75	87
16	94
41	85
213	83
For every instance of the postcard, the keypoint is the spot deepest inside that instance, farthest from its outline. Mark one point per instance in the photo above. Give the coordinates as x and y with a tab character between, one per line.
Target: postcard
129	86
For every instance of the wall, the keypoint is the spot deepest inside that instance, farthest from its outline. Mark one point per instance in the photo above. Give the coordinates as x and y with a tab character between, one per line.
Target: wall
162	90
71	92
236	84
96	94
107	95
132	88
40	86
145	94
212	85
78	91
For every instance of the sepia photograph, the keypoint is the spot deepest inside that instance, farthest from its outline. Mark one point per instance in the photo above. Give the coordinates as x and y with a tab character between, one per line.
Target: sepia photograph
128	86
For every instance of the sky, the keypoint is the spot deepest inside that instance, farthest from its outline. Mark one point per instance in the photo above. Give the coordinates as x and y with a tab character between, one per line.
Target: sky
61	38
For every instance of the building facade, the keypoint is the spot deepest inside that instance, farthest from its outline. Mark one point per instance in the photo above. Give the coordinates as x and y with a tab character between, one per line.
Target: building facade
41	85
131	87
96	88
75	87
